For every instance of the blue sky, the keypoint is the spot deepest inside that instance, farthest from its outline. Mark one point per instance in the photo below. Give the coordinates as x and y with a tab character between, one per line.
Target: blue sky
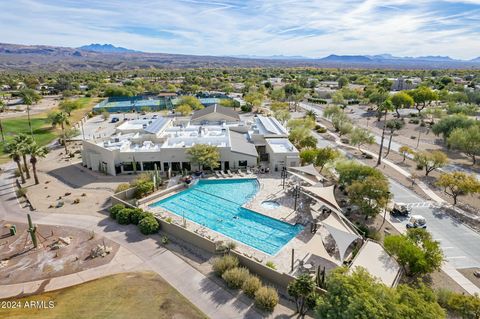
235	27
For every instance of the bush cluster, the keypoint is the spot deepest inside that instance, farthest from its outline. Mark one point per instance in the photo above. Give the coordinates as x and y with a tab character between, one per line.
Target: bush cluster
145	220
251	285
227	267
266	298
222	264
235	277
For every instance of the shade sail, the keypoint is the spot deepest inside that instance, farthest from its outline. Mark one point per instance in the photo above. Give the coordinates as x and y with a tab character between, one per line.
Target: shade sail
324	194
308	170
342	237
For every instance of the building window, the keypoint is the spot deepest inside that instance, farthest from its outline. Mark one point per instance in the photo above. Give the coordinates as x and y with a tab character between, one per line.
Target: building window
186	166
242	163
165	166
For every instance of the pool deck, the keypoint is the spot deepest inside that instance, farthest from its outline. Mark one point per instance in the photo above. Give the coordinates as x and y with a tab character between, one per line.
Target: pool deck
308	247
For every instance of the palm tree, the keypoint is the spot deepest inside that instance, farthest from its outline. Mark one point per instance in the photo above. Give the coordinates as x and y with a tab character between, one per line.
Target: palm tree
36	151
29	97
2	109
13	151
61	118
23	141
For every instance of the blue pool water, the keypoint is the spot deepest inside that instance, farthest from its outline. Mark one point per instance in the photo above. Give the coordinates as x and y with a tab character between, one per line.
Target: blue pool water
216	204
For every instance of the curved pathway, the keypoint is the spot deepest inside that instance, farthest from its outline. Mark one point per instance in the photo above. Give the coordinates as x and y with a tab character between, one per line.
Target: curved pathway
141	253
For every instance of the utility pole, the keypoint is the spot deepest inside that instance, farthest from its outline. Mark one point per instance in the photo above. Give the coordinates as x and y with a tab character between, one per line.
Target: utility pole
32	229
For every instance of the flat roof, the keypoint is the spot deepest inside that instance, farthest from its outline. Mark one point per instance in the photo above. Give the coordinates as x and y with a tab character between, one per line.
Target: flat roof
281	145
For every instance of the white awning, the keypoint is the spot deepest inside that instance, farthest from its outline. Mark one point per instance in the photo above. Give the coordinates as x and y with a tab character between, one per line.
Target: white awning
343	238
308	170
324	194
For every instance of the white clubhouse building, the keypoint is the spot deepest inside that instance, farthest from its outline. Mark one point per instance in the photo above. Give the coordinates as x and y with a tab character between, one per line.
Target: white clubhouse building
140	145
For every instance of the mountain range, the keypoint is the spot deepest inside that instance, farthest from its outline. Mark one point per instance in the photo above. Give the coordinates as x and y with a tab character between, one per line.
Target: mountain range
16	57
107	48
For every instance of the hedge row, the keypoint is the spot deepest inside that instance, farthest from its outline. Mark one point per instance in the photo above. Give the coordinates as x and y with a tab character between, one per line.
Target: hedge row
145	220
227	267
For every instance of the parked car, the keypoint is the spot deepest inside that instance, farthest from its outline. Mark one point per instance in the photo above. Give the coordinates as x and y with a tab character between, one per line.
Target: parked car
399	210
155	117
115	119
417	221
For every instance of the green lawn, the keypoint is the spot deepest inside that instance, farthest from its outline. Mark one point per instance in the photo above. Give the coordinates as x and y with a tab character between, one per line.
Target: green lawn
128	295
42	129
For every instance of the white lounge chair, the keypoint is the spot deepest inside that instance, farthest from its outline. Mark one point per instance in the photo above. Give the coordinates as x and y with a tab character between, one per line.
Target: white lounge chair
229	172
223	174
249	172
217	174
240	173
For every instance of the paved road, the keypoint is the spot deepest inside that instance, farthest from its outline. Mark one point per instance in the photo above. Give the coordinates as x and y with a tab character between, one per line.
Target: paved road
358	113
460	243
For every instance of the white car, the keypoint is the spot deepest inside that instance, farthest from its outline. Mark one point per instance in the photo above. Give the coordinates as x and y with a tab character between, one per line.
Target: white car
417	221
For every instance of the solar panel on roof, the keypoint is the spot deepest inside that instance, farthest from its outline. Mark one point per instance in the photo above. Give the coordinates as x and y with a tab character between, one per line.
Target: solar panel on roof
156	125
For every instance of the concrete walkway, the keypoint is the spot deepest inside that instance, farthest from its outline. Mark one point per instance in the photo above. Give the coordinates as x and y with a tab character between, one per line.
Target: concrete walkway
447	266
140	252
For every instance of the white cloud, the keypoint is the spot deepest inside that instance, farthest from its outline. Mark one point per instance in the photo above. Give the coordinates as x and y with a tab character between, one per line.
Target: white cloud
310	28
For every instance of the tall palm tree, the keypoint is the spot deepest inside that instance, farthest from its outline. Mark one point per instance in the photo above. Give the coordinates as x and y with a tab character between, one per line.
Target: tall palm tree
23	141
13	151
2	109
61	118
29	97
36	151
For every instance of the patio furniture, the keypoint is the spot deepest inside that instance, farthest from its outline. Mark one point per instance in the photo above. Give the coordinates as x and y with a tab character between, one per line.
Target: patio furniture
316	207
217	173
229	172
249	172
239	172
223	174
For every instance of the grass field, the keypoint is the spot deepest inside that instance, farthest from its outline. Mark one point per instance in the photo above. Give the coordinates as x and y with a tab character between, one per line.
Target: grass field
128	295
42	129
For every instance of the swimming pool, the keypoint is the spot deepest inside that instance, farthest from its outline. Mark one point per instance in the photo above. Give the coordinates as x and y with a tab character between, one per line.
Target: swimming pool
217	204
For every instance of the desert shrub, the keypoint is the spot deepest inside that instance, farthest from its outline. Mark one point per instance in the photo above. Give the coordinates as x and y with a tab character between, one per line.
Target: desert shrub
224	263
164	240
246	108
251	285
123	216
143	188
321	130
137	215
169	220
266	298
148	225
17	172
115	209
235	277
22	191
122	187
271	264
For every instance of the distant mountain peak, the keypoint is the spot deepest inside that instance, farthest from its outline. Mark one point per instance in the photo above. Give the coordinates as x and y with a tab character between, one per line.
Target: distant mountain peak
108	48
